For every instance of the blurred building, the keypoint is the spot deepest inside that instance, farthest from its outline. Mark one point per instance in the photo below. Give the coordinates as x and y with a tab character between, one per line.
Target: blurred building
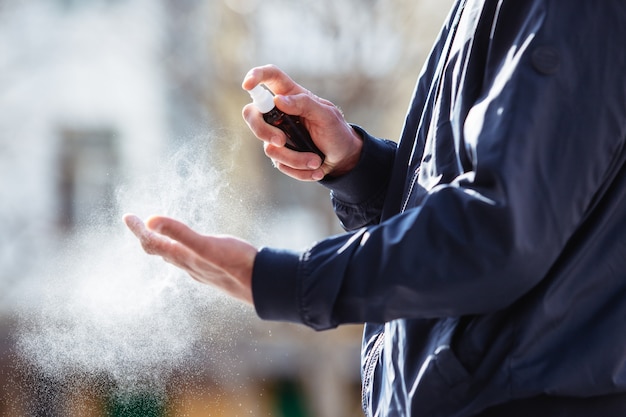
94	93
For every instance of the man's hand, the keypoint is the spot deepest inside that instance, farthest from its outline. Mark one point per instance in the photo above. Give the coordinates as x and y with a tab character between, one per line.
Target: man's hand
223	261
324	121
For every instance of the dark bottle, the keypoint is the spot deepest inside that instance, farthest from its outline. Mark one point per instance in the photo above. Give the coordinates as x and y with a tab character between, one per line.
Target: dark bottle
298	137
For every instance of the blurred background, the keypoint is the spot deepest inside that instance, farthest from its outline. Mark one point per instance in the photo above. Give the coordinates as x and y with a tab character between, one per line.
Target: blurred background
110	106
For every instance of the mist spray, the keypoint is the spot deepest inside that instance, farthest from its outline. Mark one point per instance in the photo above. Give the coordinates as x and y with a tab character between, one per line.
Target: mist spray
298	137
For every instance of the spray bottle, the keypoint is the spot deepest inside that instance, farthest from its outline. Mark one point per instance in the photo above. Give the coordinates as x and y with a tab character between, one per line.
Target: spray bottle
298	138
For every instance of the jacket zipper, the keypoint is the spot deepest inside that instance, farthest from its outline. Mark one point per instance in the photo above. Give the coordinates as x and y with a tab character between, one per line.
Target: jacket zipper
369	368
408	194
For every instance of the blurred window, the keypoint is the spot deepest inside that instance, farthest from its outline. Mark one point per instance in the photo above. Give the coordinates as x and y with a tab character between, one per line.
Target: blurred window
88	167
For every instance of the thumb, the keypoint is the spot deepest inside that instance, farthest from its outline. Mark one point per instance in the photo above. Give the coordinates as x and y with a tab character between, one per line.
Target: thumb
295	104
308	106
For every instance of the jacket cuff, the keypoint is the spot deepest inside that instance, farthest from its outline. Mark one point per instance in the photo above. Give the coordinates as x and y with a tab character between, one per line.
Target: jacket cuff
358	185
275	285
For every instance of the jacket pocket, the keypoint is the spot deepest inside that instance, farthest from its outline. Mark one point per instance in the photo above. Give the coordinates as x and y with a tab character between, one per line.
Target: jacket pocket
449	367
442	382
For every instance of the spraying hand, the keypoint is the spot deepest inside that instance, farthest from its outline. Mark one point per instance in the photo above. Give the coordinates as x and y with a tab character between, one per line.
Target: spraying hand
223	261
336	139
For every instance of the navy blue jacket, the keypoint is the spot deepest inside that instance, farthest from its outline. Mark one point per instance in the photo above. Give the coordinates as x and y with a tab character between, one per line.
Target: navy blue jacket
486	252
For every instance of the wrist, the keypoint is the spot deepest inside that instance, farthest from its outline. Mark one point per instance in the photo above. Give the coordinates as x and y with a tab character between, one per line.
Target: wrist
369	177
350	160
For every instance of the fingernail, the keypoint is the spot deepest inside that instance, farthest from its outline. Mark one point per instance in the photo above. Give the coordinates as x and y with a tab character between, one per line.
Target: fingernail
313	164
317	175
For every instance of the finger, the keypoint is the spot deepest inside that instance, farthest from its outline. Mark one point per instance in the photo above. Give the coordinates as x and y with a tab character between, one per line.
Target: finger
293	159
135	224
260	128
300	174
151	242
307	105
308	175
177	231
272	76
186	247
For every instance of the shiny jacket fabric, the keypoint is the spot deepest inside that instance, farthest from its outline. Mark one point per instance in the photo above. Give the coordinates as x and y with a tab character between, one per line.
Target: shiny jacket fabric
486	252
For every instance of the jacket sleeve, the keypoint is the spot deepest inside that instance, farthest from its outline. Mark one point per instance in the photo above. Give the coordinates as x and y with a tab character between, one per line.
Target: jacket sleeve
359	195
544	137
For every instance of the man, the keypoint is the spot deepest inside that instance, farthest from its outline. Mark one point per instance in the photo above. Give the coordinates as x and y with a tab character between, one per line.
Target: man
486	252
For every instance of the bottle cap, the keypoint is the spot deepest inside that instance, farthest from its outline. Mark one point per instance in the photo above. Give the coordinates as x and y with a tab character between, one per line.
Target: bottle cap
262	98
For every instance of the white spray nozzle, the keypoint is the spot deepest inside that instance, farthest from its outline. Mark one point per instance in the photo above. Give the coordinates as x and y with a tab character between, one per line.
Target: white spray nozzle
262	98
